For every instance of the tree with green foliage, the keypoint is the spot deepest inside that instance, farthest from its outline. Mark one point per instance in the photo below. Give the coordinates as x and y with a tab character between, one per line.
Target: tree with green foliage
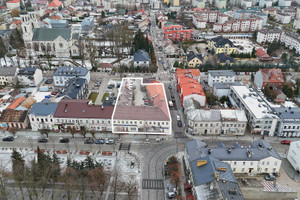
176	64
254	35
288	90
284	57
3	50
102	14
253	53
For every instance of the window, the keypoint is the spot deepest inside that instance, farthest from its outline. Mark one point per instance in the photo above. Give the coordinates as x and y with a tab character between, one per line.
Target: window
266	169
263	162
268	163
275	163
61	45
233	170
234	163
243	169
32	119
244	163
251	163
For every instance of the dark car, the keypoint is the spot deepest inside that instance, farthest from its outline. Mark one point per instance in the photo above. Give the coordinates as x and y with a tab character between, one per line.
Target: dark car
64	140
43	140
88	141
270	177
48	81
286	142
99	141
179	124
170	87
172	96
8	139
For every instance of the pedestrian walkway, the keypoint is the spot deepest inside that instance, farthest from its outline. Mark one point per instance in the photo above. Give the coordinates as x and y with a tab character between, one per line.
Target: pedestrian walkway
102	88
270	186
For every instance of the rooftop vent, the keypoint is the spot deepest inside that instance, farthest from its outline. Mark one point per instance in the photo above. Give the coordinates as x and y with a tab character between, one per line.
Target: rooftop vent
269	148
229	150
102	107
209	151
292	112
233	191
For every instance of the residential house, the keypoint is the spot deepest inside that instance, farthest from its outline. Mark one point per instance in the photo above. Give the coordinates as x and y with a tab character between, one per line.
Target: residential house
55	4
76	88
194	60
132	117
191	73
80	113
63	74
15	103
279	96
222	76
198	4
141	59
290	121
221	45
26	104
284	3
257	158
220	4
239	25
30	76
87	25
222	89
14	119
283	17
8	75
262	55
41	115
293	155
210	178
291	40
272	78
216	122
14	4
225	59
268	35
177	32
105	67
261	119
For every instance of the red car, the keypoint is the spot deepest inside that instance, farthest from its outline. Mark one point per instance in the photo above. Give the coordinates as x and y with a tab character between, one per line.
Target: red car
286	141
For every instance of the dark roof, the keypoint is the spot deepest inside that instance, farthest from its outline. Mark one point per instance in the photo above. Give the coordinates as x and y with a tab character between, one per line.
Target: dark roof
80	108
50	34
8	71
227	85
220	41
72	88
43	108
223	58
289	115
192	55
141	55
150	113
13	115
71	71
27	71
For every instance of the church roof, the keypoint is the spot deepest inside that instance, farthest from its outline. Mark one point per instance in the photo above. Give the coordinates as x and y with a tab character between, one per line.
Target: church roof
50	34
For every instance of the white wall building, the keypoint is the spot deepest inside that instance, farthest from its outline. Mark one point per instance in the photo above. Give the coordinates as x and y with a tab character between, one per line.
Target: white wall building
223	89
198	3
290	121
284	3
63	74
296	23
221	4
220	76
261	118
246	3
265	3
30	76
239	25
293	155
7	75
283	18
291	40
268	35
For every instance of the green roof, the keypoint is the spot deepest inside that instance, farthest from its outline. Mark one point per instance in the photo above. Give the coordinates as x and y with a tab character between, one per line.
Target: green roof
50	34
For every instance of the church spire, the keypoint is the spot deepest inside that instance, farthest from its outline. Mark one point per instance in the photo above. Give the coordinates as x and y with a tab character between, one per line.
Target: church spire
29	6
22	8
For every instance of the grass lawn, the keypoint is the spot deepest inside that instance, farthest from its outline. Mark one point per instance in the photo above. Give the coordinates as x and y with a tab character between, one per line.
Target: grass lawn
104	96
93	96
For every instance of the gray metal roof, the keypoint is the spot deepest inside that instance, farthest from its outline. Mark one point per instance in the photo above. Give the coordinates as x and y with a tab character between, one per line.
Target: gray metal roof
50	34
289	115
220	85
193	149
71	71
43	108
204	115
72	88
8	71
28	71
141	55
221	72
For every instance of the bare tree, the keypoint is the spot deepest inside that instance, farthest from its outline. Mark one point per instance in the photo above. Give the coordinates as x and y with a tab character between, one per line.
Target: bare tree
69	180
81	49
130	188
4	176
92	52
44	132
93	132
116	185
83	131
13	131
98	181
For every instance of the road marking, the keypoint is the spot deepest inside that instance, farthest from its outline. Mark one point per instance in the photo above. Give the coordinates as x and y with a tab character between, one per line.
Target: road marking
156	184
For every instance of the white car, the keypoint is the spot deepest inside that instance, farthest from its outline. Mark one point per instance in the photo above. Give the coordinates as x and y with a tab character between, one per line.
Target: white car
178	117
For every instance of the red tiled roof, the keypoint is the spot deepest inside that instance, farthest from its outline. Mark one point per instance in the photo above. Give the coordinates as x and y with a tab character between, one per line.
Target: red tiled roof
272	75
55	17
16	22
80	108
55	3
191	88
105	65
16	103
157	95
14	1
183	72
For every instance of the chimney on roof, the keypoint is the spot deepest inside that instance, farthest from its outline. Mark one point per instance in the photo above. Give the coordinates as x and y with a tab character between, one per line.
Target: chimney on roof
102	107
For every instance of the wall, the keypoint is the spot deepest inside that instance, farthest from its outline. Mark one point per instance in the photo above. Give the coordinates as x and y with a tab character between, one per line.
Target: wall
251	193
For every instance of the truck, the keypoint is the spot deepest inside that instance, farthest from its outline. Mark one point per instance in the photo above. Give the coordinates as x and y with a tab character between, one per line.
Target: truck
170	103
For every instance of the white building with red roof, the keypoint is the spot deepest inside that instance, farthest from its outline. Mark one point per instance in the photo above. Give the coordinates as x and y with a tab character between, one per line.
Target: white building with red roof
13	4
269	77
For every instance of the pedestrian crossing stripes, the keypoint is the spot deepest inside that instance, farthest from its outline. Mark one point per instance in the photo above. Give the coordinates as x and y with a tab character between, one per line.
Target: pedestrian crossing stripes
179	135
125	146
156	184
270	187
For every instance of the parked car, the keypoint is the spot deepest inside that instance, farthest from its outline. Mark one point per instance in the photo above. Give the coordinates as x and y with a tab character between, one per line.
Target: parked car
49	81
171	195
118	85
286	142
89	141
178	117
42	140
109	141
179	124
170	87
8	139
172	96
64	140
270	177
99	141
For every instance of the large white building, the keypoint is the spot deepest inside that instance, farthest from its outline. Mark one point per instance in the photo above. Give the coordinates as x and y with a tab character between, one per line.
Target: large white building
293	155
223	89
8	75
220	76
257	158
134	116
63	74
30	76
290	121
291	40
239	25
283	17
268	35
216	122
284	3
261	118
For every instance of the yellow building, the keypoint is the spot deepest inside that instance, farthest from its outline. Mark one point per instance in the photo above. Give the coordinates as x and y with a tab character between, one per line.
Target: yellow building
167	1
176	3
221	45
194	60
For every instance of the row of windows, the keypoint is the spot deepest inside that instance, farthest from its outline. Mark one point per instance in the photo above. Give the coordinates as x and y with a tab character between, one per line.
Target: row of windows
81	121
262	163
135	122
243	169
291	127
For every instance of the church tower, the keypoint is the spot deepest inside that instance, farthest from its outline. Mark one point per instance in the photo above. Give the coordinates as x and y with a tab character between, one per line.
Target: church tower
28	19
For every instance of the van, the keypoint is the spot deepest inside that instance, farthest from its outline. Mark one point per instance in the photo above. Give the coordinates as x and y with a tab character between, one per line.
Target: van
170	103
172	194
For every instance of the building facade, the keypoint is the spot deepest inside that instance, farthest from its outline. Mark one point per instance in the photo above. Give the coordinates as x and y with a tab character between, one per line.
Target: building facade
268	35
239	25
30	76
220	76
8	75
63	74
